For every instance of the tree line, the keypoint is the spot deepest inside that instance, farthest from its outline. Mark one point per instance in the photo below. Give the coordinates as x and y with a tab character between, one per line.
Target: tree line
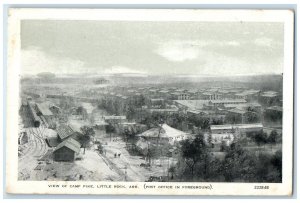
197	163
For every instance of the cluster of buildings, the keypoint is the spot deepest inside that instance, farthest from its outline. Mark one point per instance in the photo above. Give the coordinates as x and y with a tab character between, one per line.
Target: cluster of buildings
230	111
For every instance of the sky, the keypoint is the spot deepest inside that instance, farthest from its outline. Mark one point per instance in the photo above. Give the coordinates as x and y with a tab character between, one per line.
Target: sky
152	48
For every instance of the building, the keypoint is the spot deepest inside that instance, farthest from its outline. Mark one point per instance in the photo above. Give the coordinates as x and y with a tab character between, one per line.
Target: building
101	81
45	114
66	151
167	111
66	131
191	104
183	96
269	98
164	134
215	129
273	114
33	115
156	103
114	119
221	103
211	96
249	95
236	115
164	94
51	137
244	106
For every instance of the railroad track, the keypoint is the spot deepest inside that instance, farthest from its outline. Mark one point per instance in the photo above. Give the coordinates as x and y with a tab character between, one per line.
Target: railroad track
36	148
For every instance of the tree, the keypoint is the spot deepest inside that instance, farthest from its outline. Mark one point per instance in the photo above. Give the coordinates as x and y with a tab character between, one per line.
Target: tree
251	117
223	146
209	139
239	164
205	123
232	118
172	170
87	130
109	129
273	137
129	133
85	138
193	152
217	121
260	138
131	113
277	162
198	121
82	111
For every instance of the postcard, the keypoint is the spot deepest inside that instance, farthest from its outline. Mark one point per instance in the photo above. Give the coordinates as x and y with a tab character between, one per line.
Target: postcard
150	102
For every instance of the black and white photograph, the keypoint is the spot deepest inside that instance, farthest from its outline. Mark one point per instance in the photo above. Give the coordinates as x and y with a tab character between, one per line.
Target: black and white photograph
154	101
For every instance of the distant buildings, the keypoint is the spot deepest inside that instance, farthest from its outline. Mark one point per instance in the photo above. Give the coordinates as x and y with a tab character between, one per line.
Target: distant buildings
114	119
44	112
270	98
273	114
217	129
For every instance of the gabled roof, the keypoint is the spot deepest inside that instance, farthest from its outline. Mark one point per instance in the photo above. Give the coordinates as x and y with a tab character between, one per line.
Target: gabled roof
44	109
163	131
64	131
71	144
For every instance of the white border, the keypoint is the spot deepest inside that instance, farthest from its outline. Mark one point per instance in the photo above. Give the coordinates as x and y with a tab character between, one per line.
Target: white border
13	70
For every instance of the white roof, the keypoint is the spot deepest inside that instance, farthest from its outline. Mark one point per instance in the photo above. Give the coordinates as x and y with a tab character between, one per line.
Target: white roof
50	133
114	117
192	104
165	131
234	126
228	101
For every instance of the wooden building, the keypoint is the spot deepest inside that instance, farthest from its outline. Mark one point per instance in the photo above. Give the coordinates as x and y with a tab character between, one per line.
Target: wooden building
67	150
66	131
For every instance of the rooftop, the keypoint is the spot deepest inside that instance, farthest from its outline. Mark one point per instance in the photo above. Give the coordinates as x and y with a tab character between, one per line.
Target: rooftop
235	126
242	105
43	108
114	117
192	104
275	108
163	110
71	144
164	131
237	111
228	101
64	131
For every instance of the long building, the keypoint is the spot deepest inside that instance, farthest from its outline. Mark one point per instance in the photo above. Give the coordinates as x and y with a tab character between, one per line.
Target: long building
215	129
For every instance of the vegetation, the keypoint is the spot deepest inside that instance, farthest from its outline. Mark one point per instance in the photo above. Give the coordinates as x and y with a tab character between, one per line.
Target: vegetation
196	163
110	129
85	138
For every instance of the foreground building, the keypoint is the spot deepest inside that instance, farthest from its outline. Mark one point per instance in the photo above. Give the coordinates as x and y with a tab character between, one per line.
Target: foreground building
66	151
